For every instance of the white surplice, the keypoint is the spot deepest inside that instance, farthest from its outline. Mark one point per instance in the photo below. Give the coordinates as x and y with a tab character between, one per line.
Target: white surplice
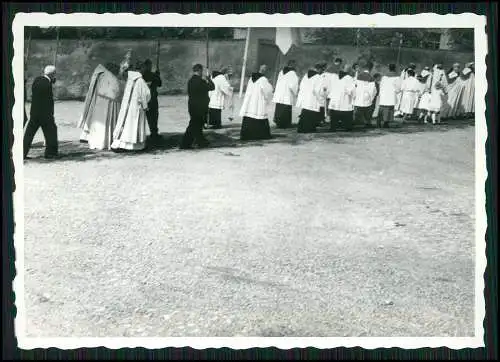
310	92
410	89
287	88
342	94
258	95
130	130
222	93
390	87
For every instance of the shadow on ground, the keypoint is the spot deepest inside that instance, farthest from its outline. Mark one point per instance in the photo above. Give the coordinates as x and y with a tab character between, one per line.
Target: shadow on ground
228	137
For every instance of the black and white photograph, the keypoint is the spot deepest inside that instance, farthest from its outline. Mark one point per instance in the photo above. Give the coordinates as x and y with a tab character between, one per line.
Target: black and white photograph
316	183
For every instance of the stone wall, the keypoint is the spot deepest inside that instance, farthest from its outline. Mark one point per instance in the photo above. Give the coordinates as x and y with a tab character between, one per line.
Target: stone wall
77	60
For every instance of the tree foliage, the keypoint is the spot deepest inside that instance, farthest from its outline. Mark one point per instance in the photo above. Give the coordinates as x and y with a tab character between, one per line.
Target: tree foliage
424	38
129	33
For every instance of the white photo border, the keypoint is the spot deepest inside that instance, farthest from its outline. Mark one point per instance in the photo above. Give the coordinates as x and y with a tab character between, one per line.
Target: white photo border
423	20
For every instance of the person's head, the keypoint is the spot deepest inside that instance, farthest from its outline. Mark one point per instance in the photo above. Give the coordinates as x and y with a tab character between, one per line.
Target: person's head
355	67
411	73
50	71
412	66
337	61
148	65
198	69
318	67
263	69
456	67
291	63
392	67
377	77
439	66
368	66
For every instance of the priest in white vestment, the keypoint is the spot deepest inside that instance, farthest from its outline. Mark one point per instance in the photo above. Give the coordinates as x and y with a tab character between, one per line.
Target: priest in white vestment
311	93
452	107
101	107
219	97
285	95
468	79
410	89
390	87
258	95
341	97
366	92
130	131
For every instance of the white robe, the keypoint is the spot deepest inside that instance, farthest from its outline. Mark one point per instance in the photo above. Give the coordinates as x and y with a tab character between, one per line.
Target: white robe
100	111
468	95
390	86
310	93
365	93
257	98
130	131
452	106
410	92
325	86
342	95
333	83
287	88
438	96
222	93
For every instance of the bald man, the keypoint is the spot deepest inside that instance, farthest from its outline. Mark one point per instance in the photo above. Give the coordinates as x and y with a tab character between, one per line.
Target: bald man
42	113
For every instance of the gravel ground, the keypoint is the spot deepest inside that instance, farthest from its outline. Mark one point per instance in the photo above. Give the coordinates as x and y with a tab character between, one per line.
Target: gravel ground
361	234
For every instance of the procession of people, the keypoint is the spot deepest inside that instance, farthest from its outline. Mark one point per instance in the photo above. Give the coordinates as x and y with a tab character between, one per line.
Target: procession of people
123	99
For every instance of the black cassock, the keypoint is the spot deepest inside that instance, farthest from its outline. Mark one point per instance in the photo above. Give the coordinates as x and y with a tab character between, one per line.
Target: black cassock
42	116
198	101
152	112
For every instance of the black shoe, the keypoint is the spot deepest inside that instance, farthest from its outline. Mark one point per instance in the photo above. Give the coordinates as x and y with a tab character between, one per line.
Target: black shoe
84	141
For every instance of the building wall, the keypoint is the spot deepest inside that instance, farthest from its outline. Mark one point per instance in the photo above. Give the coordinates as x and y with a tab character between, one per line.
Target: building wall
77	60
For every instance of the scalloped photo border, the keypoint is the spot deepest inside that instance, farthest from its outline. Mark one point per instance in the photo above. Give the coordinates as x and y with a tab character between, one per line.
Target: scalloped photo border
424	20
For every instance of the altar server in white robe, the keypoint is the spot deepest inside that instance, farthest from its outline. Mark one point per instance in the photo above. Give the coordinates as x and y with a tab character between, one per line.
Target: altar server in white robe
258	95
101	107
219	97
438	93
366	91
341	100
130	131
285	95
390	87
410	89
422	107
404	75
311	93
468	79
452	107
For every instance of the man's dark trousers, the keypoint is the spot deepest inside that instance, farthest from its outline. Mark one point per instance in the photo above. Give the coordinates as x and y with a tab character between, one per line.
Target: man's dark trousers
194	131
49	130
152	116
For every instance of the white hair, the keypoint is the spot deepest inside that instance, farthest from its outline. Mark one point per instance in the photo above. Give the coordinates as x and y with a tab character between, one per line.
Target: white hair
49	69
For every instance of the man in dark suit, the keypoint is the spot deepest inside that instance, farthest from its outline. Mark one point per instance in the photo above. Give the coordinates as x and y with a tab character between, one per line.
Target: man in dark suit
153	80
198	88
42	113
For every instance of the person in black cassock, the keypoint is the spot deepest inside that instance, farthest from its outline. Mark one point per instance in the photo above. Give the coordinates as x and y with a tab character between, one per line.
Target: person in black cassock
42	114
198	88
153	81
